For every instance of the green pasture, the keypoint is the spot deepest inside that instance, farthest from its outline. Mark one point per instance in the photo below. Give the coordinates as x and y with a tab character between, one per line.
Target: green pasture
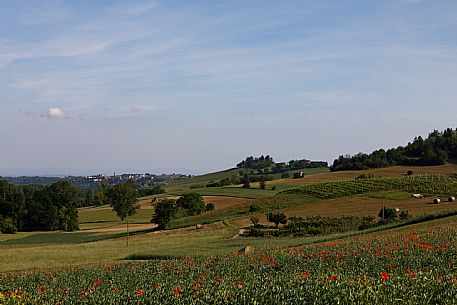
230	191
199	182
202	180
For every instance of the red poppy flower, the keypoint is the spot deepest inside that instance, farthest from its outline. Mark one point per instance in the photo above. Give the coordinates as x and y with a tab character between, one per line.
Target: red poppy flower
413	275
218	279
139	291
384	276
42	288
176	294
96	283
333	277
356	279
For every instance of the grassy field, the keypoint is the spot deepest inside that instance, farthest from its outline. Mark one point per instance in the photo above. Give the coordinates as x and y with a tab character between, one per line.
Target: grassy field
199	182
102	237
237	191
409	265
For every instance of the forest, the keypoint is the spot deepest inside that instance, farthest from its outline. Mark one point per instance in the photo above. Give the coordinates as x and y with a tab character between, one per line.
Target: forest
438	148
37	207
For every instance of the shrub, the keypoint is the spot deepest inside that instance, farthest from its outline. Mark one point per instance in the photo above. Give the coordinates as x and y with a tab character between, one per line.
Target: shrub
388	215
210	207
7	226
365	176
262	184
254	208
404	215
285	175
277	218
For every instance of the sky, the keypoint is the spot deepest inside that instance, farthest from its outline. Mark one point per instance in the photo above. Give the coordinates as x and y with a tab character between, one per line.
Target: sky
196	86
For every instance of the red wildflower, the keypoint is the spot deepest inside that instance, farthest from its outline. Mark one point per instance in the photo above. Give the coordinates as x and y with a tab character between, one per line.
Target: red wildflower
42	288
384	276
218	279
139	291
178	288
96	283
333	277
85	292
114	289
92	288
356	279
413	275
176	294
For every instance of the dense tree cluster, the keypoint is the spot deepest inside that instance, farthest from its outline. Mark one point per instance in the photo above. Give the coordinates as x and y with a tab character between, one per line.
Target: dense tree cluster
266	165
436	149
33	207
256	163
189	204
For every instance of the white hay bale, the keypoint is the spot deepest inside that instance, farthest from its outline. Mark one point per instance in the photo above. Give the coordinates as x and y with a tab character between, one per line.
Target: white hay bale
451	199
198	226
397	210
436	200
418	196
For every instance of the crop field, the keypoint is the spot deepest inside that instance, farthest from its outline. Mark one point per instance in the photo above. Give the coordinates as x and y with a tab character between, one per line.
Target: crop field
395	171
437	185
415	266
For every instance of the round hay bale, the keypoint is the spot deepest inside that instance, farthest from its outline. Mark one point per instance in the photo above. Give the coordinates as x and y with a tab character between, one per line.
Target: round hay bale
248	250
436	200
451	199
198	226
397	210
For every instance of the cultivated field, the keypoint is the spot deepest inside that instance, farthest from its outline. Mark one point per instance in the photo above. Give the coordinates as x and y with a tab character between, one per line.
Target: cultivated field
341	259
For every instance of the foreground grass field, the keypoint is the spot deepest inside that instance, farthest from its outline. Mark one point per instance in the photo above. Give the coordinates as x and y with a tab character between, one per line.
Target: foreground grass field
409	266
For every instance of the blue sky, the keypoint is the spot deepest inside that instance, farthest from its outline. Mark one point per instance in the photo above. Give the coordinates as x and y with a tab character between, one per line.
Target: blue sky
196	86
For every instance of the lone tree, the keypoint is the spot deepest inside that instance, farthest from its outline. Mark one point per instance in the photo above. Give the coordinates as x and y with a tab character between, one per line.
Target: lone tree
123	198
164	212
277	218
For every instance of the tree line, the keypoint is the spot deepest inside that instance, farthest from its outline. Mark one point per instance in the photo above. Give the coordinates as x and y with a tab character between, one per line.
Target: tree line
436	149
36	207
266	165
